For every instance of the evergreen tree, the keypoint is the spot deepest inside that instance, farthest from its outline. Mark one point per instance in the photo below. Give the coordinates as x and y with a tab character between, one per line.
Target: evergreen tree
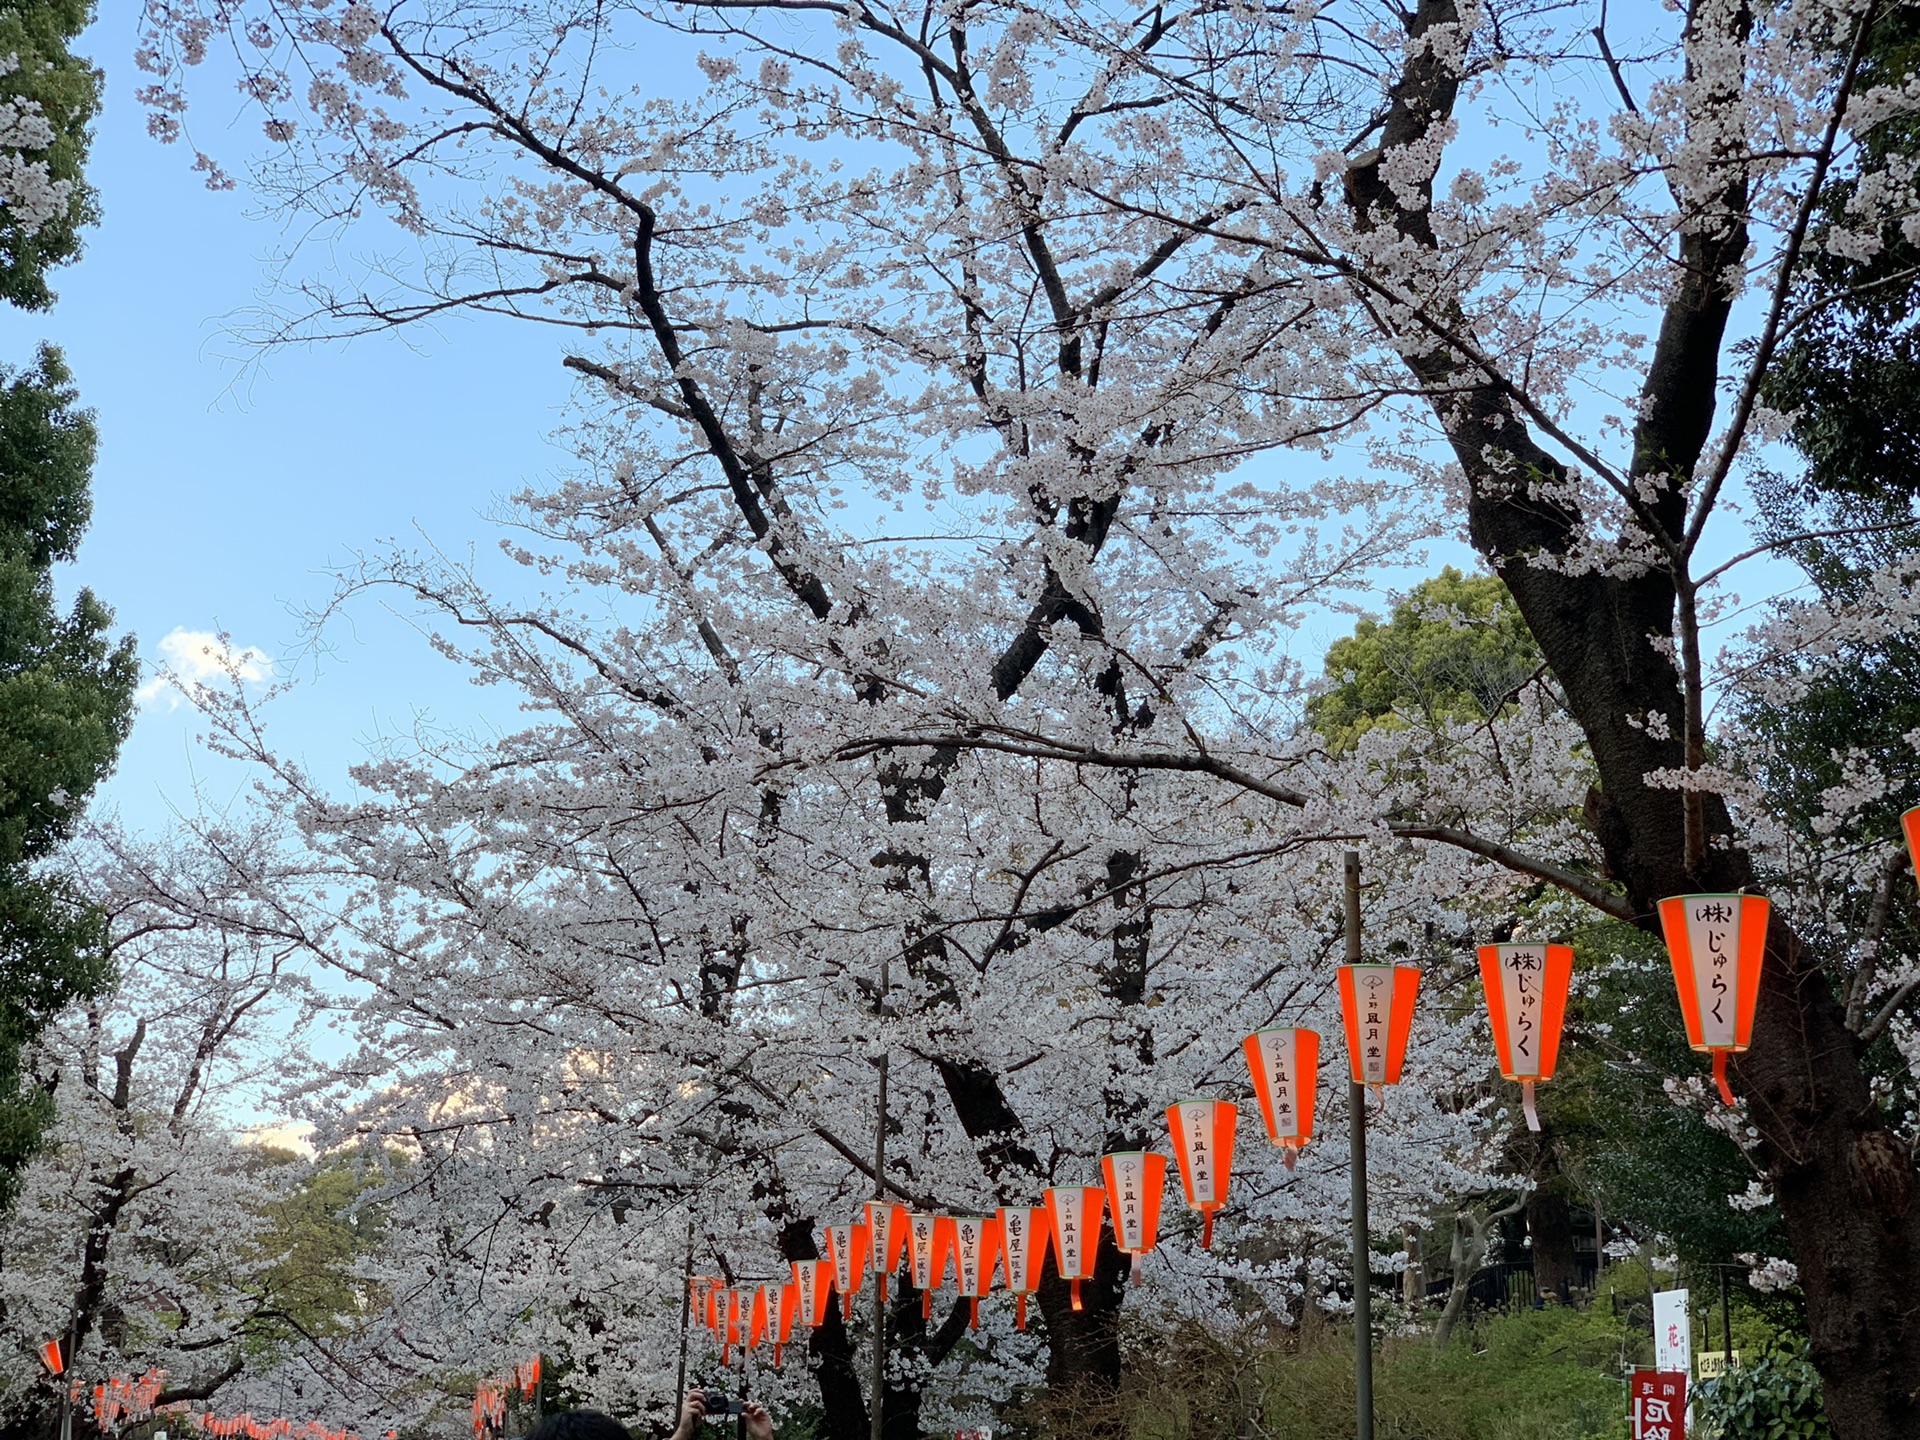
66	687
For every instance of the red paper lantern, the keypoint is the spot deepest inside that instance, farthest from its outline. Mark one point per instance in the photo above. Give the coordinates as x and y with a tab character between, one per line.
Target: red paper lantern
1025	1233
699	1288
847	1253
51	1357
887	1234
1376	1002
1074	1213
976	1246
1285	1066
1718	943
733	1322
1203	1144
764	1319
1136	1184
812	1288
1910	822
1526	989
930	1238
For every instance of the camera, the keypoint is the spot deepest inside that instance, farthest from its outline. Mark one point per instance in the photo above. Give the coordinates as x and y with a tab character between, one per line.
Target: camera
719	1403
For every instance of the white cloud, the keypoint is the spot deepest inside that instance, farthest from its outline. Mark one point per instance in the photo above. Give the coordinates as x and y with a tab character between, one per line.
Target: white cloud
198	657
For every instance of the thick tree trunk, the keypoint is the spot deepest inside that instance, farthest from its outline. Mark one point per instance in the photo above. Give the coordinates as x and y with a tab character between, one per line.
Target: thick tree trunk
1843	1180
1083	1346
1550	1228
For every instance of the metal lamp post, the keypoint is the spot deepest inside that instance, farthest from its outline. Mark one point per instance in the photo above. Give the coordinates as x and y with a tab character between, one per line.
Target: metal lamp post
1357	1160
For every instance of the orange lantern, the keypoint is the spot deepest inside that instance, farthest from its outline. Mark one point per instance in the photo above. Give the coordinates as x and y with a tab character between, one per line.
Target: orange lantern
930	1238
51	1357
1203	1144
1285	1066
1717	943
976	1245
1074	1212
1136	1184
1025	1232
1910	822
847	1255
699	1289
812	1281
771	1318
1377	1003
887	1234
1527	1001
733	1321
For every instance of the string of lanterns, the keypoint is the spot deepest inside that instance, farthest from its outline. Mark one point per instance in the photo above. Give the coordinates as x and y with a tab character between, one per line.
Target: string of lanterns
124	1400
1717	946
231	1427
490	1396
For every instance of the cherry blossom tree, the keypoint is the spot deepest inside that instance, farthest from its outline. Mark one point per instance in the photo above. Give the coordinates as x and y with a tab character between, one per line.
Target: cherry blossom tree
1159	330
142	1232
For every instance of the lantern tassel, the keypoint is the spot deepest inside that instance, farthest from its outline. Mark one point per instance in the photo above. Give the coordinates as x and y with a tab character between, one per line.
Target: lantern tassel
1289	1155
846	1303
725	1352
1020	1310
1720	1075
973	1316
883	1288
776	1352
926	1304
1076	1294
1206	1229
1526	1104
1380	1098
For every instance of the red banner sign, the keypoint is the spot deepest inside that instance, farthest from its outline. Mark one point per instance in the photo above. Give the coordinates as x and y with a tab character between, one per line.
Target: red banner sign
1657	1401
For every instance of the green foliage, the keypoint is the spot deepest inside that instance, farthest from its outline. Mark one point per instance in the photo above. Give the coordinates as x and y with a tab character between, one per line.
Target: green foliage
1550	1374
50	82
1777	1397
1454	650
317	1234
66	701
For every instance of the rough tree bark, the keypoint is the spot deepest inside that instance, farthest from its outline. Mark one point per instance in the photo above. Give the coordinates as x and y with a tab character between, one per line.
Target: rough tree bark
1844	1182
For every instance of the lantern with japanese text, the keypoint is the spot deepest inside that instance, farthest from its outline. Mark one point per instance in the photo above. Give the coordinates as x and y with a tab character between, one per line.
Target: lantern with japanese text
1376	1001
1527	1001
700	1290
930	1239
772	1320
51	1357
812	1289
887	1235
736	1312
976	1246
1717	943
1025	1233
1910	822
1074	1213
1285	1066
847	1253
1136	1183
528	1375
1203	1144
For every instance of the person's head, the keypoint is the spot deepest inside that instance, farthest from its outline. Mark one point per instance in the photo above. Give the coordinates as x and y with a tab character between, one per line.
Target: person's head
579	1425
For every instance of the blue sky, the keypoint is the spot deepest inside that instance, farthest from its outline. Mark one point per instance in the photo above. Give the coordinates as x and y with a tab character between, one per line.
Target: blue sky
226	491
